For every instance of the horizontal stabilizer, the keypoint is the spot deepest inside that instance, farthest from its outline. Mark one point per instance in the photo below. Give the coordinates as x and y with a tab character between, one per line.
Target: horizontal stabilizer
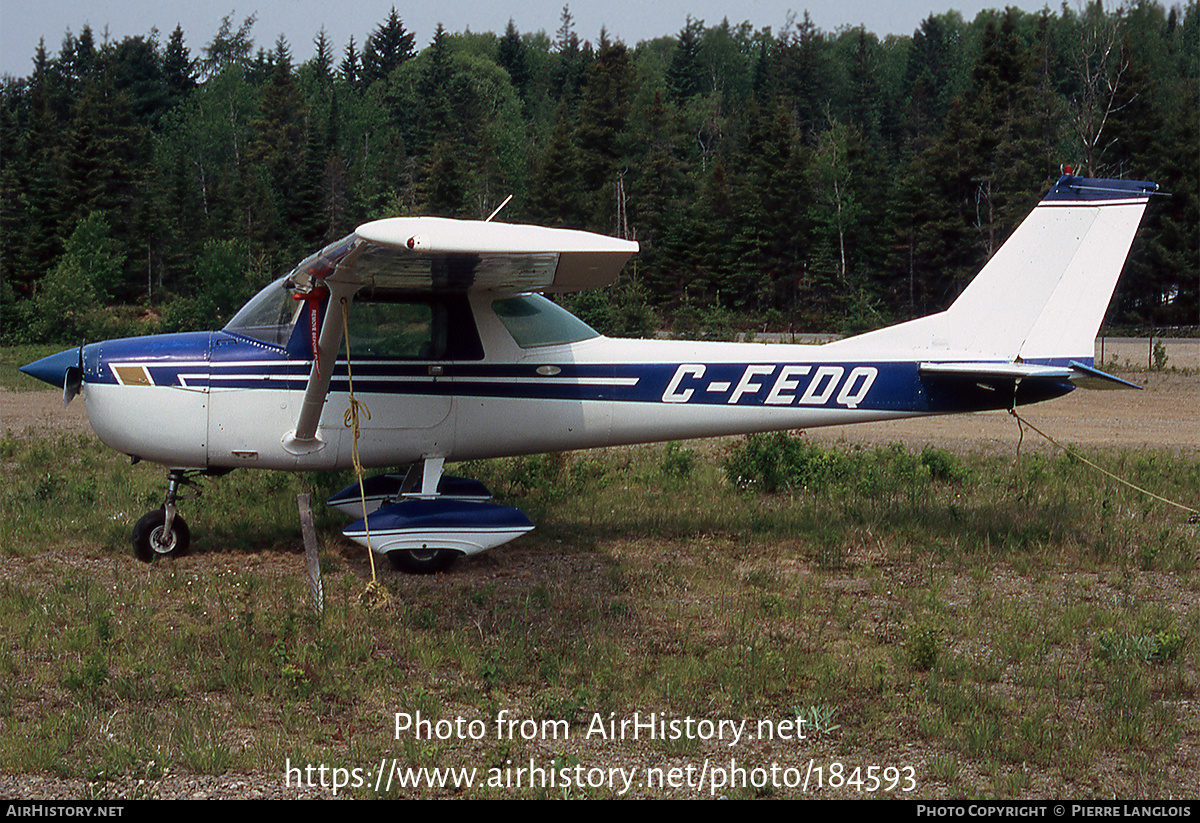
1027	382
1091	378
1006	371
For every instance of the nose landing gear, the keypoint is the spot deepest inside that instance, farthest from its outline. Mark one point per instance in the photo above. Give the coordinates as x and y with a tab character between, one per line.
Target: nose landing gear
163	532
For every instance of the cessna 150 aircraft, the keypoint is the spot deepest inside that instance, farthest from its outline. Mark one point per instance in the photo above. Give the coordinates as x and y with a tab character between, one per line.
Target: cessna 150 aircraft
456	356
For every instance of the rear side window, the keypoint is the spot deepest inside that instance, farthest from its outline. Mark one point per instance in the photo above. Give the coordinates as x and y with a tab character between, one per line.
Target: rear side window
532	320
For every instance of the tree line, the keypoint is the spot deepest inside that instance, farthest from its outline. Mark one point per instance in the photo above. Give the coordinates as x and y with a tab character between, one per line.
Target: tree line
791	179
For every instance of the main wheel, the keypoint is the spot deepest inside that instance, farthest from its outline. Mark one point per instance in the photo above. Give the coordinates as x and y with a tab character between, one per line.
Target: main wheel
422	561
150	540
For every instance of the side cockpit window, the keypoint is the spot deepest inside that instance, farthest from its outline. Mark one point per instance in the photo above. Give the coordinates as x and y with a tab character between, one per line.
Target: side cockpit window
398	330
382	325
385	326
269	316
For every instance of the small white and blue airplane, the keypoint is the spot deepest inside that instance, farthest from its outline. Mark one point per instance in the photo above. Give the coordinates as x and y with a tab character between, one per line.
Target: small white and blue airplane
456	356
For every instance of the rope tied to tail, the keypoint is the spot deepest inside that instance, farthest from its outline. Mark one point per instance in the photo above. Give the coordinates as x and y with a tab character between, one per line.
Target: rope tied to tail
1195	514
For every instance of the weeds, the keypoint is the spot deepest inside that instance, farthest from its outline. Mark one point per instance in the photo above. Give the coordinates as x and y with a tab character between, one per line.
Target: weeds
1114	646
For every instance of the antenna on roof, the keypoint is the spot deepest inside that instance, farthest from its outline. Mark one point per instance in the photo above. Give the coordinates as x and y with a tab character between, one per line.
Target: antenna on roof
497	211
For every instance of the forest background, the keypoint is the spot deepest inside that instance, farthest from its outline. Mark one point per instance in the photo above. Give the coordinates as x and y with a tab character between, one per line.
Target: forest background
777	180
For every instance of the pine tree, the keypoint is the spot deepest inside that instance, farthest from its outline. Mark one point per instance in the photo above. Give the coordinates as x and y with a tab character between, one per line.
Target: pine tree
773	228
105	160
178	68
512	57
386	48
567	76
657	195
1160	280
556	196
927	79
277	200
865	96
441	150
684	74
350	68
137	69
37	167
603	116
1002	101
804	72
322	59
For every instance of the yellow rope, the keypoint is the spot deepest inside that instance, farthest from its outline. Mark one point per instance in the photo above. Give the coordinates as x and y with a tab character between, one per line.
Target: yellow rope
375	595
1101	469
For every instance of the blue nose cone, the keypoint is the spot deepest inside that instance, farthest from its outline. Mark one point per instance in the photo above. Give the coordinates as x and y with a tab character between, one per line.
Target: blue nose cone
53	369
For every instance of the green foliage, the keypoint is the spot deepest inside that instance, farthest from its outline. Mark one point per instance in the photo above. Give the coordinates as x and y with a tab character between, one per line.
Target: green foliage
97	255
922	648
678	462
222	279
783	462
89	678
620	311
944	466
1114	646
68	302
66	307
779	461
745	162
1160	356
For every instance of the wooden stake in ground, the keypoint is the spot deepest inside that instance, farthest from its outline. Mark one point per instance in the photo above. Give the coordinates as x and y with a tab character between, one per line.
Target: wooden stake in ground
310	552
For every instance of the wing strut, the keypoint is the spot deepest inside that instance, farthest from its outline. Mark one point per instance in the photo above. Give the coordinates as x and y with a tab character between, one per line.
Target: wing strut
304	439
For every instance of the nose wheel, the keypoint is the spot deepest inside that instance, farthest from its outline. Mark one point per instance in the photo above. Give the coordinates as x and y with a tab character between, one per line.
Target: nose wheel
163	532
154	537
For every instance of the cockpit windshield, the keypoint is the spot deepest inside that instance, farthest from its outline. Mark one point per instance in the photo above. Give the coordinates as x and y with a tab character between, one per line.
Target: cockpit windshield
532	320
269	316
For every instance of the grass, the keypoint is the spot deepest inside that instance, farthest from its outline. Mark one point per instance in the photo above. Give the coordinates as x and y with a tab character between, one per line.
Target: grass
1014	630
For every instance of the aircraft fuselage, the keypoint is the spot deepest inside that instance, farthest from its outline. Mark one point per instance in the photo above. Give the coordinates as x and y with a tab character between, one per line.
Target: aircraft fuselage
222	400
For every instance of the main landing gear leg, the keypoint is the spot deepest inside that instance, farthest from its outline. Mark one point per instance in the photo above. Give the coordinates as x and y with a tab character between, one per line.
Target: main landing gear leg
422	478
162	531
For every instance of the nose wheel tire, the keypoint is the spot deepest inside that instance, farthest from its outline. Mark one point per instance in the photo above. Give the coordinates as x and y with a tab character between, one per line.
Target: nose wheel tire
422	561
151	539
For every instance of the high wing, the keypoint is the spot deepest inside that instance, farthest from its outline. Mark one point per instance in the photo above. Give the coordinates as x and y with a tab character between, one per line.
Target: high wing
430	254
438	254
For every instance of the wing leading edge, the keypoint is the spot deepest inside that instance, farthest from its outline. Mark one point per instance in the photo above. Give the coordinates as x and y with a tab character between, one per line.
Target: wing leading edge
438	254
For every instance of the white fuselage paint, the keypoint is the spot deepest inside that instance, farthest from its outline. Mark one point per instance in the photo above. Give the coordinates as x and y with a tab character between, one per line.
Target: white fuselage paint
222	427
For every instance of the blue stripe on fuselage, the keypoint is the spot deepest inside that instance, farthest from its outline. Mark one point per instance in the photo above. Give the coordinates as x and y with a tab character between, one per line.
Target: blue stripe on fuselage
177	360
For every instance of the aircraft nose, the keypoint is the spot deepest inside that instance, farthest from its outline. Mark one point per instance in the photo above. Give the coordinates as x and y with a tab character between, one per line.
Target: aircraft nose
53	369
